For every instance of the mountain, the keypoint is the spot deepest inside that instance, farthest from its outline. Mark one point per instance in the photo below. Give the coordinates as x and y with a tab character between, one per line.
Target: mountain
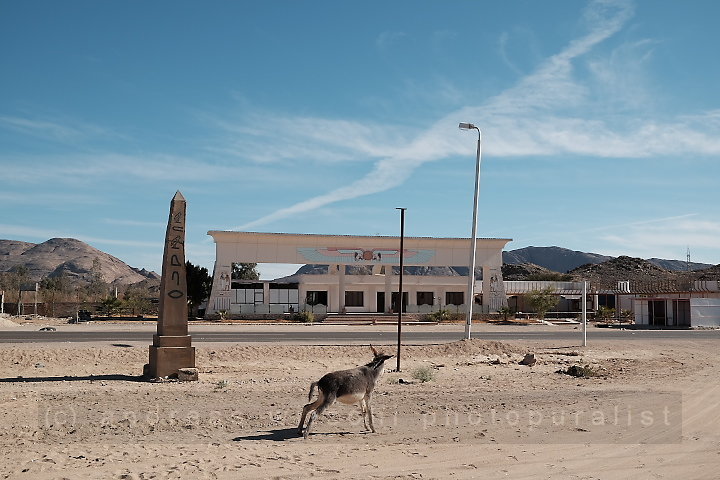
528	271
711	273
678	265
623	268
532	263
13	247
313	269
556	259
563	260
70	257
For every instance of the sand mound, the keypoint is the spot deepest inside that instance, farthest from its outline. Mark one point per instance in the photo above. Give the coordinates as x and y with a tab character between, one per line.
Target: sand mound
466	347
6	322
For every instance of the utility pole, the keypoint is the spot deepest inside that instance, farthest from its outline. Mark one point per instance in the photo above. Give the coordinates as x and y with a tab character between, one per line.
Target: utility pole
400	284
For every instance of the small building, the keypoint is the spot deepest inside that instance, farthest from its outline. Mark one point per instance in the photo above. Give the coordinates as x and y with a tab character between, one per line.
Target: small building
695	305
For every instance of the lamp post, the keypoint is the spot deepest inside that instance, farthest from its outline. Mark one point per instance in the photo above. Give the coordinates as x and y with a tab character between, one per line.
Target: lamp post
400	286
473	235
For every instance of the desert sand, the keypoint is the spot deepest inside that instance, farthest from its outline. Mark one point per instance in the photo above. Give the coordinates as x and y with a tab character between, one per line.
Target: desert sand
651	411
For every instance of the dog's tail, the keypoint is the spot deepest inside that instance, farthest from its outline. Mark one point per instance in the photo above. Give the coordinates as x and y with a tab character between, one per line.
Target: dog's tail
313	386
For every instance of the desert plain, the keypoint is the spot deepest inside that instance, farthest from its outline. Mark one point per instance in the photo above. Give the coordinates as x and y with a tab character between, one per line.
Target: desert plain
650	408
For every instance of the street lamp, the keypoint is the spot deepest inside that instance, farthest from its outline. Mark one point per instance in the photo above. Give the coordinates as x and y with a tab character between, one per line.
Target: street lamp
400	286
473	235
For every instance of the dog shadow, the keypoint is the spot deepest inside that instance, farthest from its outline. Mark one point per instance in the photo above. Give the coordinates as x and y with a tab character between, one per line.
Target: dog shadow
72	378
282	435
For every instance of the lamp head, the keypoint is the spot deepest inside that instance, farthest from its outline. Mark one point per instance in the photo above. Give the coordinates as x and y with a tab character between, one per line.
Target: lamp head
467	126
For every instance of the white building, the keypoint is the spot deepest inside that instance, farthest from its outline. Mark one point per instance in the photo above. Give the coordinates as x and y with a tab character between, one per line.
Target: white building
338	292
696	306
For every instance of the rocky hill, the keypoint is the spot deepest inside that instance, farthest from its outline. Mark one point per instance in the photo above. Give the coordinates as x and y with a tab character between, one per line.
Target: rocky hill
552	263
528	271
621	269
70	257
563	260
556	259
642	274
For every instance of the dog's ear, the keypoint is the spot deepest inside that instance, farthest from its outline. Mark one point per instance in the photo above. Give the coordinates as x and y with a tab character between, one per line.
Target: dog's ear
375	352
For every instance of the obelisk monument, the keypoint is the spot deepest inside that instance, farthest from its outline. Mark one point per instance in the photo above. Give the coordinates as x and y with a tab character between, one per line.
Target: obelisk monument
171	348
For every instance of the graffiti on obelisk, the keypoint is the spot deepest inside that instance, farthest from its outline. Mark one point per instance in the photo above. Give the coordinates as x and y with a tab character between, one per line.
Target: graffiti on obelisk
171	349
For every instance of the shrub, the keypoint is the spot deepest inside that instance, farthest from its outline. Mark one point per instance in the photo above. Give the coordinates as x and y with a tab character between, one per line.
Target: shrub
605	313
542	301
424	374
441	315
580	371
304	317
505	312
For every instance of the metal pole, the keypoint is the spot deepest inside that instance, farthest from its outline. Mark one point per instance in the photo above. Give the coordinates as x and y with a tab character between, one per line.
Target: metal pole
473	238
400	284
584	313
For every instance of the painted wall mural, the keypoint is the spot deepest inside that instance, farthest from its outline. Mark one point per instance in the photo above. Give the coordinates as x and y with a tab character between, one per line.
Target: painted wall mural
496	298
382	256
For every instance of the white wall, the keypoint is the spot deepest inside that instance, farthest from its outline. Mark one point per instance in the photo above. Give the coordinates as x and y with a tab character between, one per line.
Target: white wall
705	312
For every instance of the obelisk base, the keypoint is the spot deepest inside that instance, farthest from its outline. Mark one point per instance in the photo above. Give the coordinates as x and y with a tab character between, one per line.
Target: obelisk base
168	354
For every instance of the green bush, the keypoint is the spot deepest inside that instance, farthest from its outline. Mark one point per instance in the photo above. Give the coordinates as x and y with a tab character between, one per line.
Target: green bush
441	315
605	313
506	312
424	374
542	301
304	317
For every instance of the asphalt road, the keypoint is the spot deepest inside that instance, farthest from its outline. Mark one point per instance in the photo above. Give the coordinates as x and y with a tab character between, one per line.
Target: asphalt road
329	336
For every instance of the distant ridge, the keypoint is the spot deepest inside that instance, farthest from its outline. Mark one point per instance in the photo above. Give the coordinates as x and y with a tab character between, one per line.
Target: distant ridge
557	259
563	260
538	262
70	257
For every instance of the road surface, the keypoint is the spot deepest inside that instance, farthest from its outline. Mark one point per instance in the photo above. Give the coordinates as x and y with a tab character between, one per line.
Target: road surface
339	334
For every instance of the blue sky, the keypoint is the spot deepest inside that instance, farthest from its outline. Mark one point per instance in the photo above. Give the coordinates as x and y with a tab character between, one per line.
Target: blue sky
600	120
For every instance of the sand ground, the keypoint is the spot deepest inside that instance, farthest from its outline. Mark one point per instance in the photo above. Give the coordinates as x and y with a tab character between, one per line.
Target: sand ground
652	411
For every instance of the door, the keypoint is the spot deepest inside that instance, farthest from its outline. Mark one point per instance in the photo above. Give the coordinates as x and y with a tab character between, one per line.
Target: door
394	300
657	313
381	302
681	312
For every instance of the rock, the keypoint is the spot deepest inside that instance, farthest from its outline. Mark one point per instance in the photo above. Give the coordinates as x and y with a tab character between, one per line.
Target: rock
529	360
188	374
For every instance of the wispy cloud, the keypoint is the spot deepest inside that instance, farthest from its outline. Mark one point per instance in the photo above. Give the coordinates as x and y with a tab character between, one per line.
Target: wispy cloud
642	223
15	231
133	223
387	39
83	168
514	119
503	52
669	237
49	199
65	130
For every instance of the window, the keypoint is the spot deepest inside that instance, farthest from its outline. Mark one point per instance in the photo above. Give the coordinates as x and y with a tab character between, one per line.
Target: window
353	299
316	297
284	294
454	298
425	298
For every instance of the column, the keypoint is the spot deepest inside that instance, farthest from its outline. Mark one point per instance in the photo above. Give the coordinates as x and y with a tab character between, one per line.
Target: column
388	287
341	288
